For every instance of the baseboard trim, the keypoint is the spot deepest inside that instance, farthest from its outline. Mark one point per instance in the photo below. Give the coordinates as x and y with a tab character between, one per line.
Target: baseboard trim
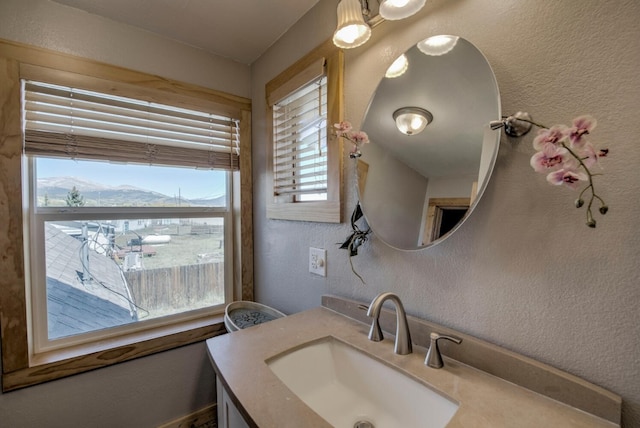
205	417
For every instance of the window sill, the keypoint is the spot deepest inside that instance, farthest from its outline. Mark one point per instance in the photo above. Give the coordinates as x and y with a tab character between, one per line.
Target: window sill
82	358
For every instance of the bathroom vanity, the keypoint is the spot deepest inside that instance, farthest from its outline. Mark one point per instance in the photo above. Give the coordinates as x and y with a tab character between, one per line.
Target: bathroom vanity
480	385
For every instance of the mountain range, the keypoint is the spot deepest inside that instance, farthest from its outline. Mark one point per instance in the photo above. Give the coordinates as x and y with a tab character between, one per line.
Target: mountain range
56	190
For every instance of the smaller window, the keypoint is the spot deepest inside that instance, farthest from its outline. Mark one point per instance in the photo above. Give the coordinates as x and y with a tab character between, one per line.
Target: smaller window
304	157
300	143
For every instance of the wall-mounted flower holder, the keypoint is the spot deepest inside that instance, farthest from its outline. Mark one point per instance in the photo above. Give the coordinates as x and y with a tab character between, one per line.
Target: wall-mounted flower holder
516	125
358	236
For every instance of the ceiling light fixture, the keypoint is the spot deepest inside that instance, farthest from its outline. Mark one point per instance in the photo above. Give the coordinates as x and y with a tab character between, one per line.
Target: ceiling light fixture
352	31
412	120
437	45
399	9
397	69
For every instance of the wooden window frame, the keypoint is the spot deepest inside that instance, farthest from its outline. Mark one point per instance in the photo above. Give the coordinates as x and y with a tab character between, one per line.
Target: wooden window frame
328	211
20	368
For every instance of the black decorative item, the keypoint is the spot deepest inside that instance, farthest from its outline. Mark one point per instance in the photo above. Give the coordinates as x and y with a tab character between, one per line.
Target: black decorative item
356	239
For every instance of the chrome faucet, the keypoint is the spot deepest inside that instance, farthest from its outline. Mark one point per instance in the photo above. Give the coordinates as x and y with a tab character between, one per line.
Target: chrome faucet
403	336
434	358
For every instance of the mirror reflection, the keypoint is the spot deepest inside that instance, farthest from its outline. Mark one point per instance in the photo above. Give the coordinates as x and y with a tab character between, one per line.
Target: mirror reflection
431	151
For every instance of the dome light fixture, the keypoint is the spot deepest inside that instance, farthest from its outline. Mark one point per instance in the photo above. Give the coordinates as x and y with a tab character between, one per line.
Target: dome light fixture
352	30
398	67
393	10
437	45
412	120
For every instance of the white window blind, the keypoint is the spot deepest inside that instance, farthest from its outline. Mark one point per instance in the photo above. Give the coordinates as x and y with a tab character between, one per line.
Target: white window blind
79	124
300	141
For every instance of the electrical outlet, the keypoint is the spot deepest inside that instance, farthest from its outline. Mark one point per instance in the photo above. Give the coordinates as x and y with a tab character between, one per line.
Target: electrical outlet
318	261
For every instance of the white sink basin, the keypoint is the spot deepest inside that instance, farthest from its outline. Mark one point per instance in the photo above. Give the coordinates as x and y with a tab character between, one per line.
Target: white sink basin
346	386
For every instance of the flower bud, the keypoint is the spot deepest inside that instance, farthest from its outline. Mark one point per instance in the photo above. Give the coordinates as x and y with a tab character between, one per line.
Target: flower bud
579	202
604	209
591	223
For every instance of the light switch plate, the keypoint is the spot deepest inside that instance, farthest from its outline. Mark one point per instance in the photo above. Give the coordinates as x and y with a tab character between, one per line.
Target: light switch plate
318	261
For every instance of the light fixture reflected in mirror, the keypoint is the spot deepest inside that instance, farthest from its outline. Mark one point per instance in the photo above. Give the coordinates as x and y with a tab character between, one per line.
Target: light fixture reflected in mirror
412	120
352	30
397	69
399	9
437	45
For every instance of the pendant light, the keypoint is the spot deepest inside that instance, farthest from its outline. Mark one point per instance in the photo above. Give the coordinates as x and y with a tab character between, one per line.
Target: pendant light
399	9
412	120
352	31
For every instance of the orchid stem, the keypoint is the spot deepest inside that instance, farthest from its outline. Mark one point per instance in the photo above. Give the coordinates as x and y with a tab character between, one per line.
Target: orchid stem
590	186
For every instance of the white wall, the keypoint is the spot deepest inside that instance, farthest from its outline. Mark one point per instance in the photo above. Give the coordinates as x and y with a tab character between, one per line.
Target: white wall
458	187
64	29
387	202
524	272
145	392
148	391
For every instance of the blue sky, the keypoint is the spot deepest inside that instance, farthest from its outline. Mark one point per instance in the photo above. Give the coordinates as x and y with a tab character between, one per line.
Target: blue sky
191	183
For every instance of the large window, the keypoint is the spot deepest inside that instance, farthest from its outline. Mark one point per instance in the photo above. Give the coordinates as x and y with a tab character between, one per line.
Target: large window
115	247
304	102
127	214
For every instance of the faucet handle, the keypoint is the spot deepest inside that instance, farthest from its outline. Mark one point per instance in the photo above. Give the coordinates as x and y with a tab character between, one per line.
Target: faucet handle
434	358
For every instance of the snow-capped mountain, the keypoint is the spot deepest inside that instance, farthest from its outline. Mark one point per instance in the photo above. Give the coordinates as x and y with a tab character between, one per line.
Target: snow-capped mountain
56	190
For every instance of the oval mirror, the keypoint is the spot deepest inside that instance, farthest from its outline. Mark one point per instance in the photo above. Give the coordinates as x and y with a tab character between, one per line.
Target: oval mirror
416	188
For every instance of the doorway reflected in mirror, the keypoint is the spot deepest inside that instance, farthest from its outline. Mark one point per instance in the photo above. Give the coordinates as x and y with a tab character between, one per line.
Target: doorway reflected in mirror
443	214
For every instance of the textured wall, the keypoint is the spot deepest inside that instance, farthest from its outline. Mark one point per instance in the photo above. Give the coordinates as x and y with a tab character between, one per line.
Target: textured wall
524	272
64	29
148	391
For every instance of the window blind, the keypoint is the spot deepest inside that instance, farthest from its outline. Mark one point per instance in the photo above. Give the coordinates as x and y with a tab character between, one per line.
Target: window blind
300	140
67	122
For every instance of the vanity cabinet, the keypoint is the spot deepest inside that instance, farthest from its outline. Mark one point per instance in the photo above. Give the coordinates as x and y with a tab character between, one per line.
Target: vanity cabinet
542	397
228	414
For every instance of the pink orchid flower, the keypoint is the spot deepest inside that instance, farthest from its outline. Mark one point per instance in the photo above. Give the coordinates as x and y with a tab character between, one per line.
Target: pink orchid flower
553	136
342	128
568	157
589	155
551	157
359	137
568	177
582	125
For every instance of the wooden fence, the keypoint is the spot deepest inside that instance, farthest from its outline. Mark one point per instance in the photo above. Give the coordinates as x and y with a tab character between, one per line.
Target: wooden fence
170	290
